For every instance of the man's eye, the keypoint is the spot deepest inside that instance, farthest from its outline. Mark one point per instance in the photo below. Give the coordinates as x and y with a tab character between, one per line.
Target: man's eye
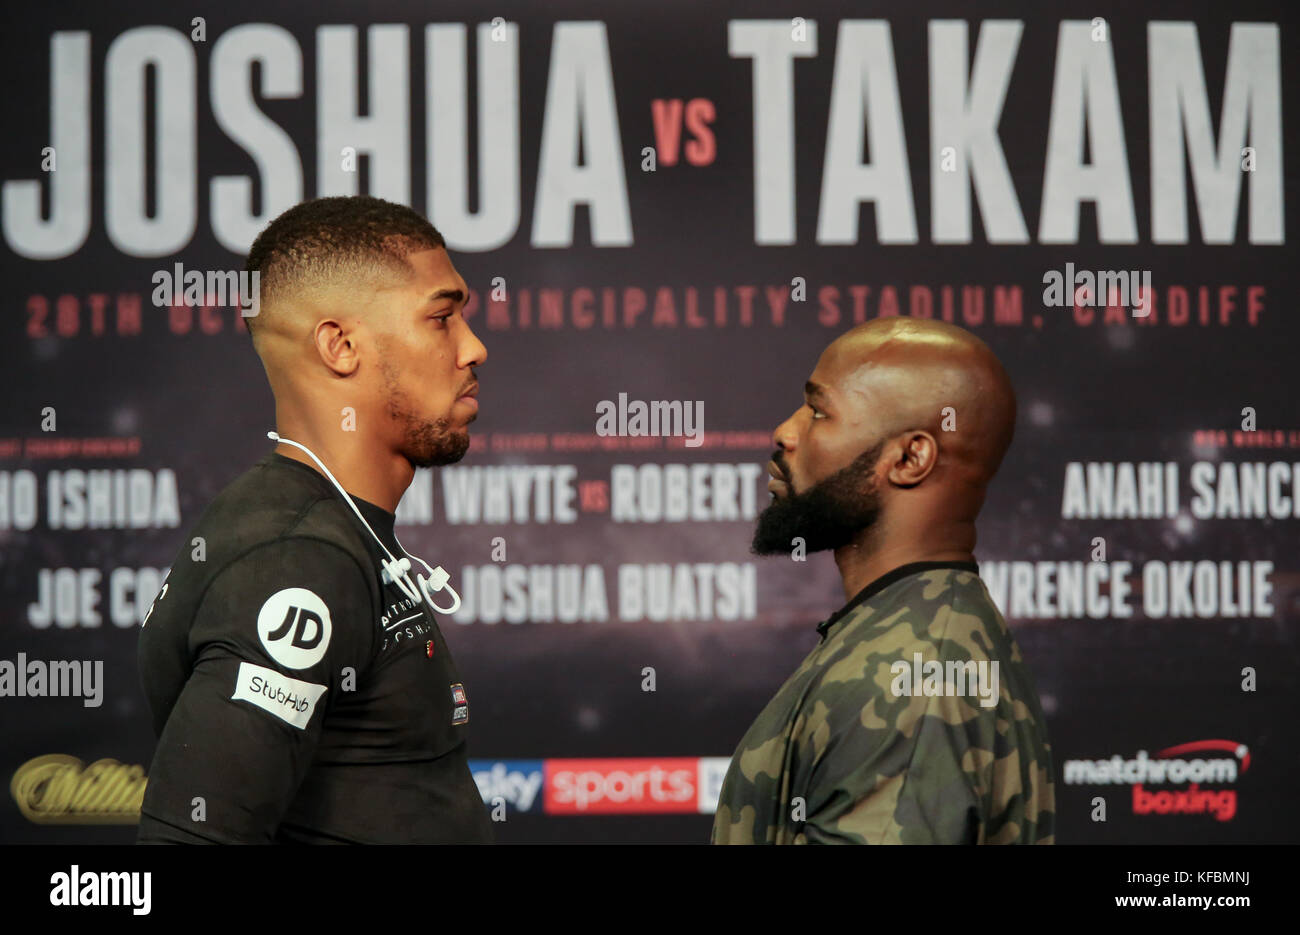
817	414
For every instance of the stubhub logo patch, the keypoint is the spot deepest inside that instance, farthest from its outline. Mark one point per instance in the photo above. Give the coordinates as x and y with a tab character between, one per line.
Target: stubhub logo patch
518	783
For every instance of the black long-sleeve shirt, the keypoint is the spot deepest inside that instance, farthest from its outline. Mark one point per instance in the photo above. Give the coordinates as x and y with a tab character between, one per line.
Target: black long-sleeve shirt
295	696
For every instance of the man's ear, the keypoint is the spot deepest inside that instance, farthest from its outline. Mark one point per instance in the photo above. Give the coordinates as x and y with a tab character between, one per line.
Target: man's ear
914	455
335	346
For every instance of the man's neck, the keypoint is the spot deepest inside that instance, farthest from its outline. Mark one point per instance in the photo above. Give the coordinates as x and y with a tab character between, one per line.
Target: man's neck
355	465
860	565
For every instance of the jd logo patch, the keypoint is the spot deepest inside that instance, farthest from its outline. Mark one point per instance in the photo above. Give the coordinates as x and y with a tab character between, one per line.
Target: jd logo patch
294	626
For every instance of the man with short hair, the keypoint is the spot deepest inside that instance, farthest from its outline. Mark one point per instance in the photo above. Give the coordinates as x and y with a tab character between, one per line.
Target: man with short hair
300	686
914	719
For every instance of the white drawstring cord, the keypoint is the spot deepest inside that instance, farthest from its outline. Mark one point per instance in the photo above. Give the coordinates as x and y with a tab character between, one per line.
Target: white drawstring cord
395	569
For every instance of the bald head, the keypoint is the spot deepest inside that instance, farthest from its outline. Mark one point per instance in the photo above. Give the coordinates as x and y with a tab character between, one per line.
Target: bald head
917	373
904	423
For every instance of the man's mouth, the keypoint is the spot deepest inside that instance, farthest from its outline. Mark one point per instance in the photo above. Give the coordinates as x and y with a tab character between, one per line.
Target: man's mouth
779	485
469	397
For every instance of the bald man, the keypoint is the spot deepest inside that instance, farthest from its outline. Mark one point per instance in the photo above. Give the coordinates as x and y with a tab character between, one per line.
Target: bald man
301	691
914	720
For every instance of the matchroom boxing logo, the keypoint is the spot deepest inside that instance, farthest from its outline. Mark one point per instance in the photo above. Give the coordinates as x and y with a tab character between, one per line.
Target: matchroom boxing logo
1177	766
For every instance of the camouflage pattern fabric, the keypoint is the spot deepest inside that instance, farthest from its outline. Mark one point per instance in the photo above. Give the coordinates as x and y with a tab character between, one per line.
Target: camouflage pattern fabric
843	755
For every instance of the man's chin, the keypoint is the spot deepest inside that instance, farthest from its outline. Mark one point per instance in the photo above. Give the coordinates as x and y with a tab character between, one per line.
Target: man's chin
819	526
774	533
452	449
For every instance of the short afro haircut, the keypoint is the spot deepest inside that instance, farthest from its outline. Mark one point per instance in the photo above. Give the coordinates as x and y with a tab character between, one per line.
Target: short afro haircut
337	236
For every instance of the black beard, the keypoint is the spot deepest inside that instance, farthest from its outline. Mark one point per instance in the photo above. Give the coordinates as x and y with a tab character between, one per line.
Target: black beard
426	442
432	445
830	514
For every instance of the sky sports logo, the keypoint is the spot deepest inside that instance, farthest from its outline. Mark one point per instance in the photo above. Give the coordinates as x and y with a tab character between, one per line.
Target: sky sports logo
626	786
515	783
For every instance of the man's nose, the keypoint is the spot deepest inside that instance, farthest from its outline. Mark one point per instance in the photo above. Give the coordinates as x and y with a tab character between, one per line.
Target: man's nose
472	351
785	436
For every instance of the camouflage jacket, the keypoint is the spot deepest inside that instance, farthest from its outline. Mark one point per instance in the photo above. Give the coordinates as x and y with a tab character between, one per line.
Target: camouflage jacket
915	720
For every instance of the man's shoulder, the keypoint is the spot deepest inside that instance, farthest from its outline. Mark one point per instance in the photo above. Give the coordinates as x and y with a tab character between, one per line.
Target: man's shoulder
269	522
929	607
942	616
265	508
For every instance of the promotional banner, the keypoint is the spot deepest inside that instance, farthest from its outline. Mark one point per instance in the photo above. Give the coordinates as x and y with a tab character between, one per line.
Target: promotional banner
665	212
